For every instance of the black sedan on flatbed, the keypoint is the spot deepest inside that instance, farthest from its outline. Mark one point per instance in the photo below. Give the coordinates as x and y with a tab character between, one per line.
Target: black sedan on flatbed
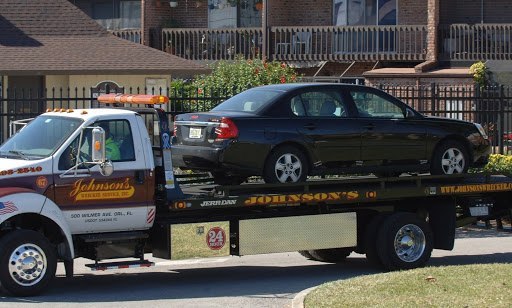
288	131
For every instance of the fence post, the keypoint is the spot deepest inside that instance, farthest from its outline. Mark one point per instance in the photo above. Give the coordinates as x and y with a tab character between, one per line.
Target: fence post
433	98
502	120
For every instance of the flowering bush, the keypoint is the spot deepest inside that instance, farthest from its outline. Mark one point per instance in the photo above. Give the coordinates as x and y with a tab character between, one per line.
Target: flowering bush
499	164
230	78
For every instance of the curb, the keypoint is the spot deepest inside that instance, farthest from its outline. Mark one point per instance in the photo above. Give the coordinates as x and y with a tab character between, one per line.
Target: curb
298	300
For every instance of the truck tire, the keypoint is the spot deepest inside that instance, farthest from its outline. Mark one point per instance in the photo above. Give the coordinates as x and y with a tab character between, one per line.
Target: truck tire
27	262
450	157
370	240
404	242
286	164
332	255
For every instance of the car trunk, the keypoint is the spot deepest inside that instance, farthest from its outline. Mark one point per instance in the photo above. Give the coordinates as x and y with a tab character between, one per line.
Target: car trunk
202	129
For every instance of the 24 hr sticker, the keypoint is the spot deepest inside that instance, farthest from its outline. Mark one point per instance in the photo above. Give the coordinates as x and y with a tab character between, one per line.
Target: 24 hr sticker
216	238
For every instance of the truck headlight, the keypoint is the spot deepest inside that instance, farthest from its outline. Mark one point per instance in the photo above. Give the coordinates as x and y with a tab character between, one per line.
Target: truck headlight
481	130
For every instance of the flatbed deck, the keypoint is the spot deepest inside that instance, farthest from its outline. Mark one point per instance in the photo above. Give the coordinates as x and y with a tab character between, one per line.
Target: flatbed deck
346	191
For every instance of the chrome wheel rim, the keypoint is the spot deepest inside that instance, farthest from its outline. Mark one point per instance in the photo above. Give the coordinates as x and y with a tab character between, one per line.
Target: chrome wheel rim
410	243
453	161
27	264
288	168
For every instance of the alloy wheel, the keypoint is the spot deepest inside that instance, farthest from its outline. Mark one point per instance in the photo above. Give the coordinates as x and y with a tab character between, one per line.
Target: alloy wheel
410	243
453	161
288	168
27	264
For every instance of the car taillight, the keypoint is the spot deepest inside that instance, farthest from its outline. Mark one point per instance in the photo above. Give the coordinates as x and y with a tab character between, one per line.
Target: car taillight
226	129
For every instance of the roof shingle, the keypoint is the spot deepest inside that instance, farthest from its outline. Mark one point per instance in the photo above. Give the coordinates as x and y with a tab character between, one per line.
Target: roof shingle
55	37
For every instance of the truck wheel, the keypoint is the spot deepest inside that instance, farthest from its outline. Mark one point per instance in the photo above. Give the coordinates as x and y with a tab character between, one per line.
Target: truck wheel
404	242
451	157
286	164
27	262
332	255
370	240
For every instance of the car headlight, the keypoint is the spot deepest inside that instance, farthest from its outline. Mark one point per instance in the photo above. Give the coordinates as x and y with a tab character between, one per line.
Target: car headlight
481	130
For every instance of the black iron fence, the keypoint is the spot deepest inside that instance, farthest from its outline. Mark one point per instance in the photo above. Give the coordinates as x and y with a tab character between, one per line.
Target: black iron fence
489	106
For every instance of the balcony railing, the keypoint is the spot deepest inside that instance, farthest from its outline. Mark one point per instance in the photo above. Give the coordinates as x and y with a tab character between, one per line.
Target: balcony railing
476	42
132	35
213	44
404	43
372	43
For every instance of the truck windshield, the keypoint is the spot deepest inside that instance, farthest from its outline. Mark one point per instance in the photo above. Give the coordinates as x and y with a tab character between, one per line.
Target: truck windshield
40	138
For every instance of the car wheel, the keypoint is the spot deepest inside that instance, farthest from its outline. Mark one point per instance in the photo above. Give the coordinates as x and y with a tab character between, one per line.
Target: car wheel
450	158
332	255
286	164
27	262
404	242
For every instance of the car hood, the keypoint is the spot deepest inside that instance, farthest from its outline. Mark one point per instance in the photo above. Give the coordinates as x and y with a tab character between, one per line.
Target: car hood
447	120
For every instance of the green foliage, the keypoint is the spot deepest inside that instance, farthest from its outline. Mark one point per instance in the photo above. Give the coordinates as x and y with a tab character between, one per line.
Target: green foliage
480	73
229	78
499	163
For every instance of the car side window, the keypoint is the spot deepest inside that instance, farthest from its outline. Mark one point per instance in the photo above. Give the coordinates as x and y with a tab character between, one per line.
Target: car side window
318	104
371	105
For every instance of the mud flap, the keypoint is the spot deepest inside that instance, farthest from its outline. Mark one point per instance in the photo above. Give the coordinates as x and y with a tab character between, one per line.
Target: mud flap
442	222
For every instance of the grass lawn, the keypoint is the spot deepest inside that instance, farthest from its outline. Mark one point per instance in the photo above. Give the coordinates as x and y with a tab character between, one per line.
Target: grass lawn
480	285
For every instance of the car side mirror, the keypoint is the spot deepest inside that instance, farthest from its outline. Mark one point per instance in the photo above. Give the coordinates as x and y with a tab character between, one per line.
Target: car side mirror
409	113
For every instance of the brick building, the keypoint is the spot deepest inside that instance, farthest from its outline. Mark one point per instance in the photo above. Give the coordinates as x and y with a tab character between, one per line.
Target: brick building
329	39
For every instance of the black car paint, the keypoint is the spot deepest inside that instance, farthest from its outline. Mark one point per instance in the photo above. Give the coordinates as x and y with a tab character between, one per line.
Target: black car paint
413	138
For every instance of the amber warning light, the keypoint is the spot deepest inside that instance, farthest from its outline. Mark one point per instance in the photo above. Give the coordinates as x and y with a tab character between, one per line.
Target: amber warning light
133	99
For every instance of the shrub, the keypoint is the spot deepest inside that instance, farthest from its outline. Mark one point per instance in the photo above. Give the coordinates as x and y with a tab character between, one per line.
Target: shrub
499	163
230	78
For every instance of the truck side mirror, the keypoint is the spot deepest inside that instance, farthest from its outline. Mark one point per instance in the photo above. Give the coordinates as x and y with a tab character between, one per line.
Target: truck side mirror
98	152
98	145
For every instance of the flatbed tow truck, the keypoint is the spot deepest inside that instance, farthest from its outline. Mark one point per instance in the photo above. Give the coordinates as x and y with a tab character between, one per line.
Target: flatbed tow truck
61	198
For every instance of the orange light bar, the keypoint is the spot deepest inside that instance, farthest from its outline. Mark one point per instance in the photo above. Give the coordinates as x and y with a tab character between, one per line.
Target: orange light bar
133	99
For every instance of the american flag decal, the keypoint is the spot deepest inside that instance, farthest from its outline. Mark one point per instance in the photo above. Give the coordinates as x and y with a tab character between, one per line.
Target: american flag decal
7	207
151	216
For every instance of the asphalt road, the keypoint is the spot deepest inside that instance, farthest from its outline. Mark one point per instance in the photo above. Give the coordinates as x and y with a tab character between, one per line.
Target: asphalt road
254	281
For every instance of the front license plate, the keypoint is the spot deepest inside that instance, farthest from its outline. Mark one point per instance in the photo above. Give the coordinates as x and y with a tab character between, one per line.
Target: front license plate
194	133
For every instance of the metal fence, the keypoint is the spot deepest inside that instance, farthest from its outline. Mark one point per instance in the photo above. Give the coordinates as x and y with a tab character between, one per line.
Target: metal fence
490	106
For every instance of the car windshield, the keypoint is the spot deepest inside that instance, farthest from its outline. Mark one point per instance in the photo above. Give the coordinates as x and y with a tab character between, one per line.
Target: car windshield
250	101
39	138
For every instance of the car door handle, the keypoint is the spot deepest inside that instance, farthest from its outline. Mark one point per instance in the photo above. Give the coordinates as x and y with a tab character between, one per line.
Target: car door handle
310	126
370	126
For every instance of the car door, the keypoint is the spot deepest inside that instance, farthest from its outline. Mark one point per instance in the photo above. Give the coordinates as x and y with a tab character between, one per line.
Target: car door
327	125
387	135
92	202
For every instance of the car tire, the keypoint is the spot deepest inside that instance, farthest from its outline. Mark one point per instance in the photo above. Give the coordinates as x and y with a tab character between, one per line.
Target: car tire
451	157
332	255
286	164
404	242
37	258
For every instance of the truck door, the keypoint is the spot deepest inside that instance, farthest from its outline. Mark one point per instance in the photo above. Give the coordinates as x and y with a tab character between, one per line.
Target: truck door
92	202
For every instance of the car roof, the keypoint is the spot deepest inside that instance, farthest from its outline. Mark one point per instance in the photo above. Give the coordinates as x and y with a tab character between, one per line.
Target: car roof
293	86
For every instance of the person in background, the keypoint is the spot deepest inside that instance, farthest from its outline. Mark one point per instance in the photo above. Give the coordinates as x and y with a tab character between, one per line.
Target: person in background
111	148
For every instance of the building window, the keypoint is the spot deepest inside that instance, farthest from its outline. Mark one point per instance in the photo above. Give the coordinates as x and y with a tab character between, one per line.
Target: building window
364	12
113	14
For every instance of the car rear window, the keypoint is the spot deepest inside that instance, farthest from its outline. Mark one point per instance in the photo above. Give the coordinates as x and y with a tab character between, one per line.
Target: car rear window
250	101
